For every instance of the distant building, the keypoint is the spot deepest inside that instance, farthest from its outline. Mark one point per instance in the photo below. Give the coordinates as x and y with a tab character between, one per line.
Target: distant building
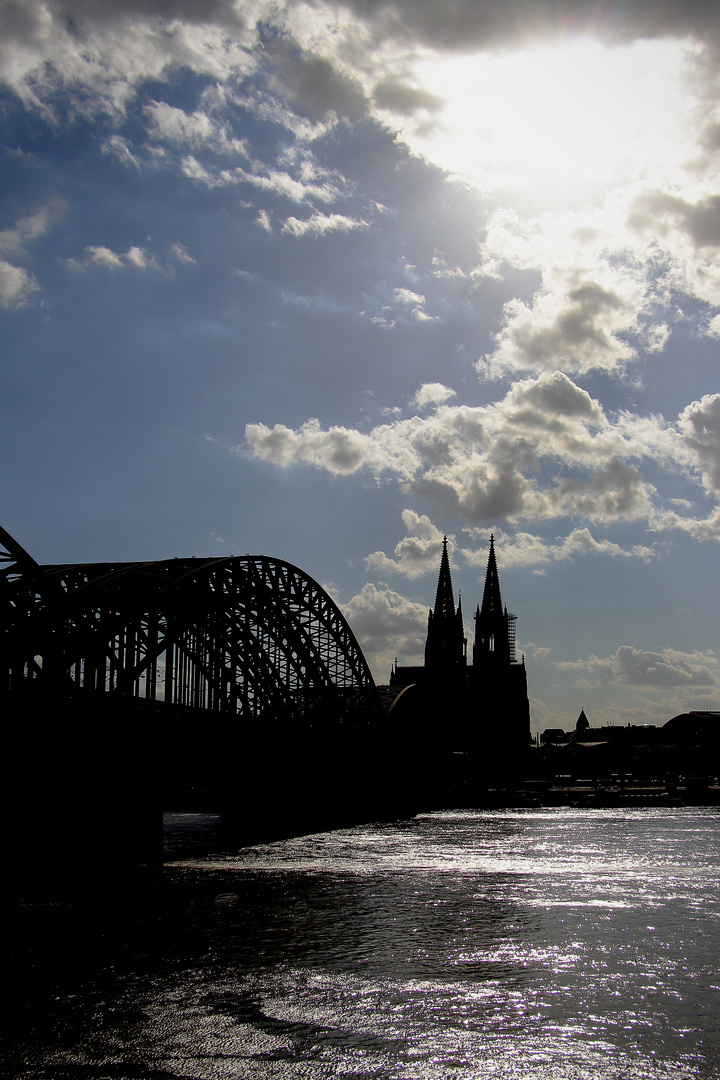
483	704
582	723
687	747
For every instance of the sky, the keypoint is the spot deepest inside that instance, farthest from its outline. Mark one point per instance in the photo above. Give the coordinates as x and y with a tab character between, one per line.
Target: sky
327	281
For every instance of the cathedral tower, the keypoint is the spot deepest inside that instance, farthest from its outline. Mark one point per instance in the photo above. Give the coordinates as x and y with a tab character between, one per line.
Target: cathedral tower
446	644
484	708
494	628
499	682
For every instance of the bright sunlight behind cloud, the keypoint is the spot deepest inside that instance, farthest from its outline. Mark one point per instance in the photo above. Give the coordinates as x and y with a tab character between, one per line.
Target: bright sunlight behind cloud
555	119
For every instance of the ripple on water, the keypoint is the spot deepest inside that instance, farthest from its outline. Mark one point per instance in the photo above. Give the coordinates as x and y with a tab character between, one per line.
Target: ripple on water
542	945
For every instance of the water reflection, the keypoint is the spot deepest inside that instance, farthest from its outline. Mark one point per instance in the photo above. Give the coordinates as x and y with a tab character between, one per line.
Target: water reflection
552	944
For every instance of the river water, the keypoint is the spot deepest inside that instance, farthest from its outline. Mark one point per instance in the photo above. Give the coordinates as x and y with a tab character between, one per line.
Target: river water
548	944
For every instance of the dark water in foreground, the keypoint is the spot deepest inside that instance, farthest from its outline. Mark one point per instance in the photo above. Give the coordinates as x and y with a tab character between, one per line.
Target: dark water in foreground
543	944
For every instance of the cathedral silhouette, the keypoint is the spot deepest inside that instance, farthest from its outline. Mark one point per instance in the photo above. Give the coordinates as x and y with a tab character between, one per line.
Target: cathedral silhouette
483	705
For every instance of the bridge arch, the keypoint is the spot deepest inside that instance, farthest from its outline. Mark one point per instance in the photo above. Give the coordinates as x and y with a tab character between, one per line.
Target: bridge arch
247	637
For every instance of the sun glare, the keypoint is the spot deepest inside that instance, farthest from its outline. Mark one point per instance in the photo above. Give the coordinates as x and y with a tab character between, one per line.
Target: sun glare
561	118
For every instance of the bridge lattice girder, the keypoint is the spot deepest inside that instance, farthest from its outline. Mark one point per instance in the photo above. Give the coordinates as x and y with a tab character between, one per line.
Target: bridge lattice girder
247	636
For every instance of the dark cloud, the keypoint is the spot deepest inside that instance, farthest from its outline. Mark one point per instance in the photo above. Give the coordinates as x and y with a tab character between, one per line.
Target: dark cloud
312	85
19	21
659	209
469	24
700	424
555	396
406	100
485	496
78	13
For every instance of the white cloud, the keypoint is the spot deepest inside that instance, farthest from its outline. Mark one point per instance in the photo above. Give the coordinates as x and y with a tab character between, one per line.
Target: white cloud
264	221
16	285
527	549
572	326
387	625
589	312
106	50
320	224
339	450
173	125
136	257
406	296
653	670
268	179
598	267
416	554
181	253
118	147
546	450
140	259
699	424
431	394
196	130
26	230
191	167
103	256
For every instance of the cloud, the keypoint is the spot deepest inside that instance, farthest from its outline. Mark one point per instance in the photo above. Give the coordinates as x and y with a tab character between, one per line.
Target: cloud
196	130
16	285
135	257
468	25
180	252
320	224
339	450
117	147
27	230
101	52
699	425
573	326
412	302
416	554
387	625
173	125
654	670
546	450
110	46
272	181
103	256
590	312
527	549
263	220
398	97
431	394
313	84
687	233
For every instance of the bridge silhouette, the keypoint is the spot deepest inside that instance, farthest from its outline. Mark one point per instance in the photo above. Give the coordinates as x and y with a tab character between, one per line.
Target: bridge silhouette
238	679
246	636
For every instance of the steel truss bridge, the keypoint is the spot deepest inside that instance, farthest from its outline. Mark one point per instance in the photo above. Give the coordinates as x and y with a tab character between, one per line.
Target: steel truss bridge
246	638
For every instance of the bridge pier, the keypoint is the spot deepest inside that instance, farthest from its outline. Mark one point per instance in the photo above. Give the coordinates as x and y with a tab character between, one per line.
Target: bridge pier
81	793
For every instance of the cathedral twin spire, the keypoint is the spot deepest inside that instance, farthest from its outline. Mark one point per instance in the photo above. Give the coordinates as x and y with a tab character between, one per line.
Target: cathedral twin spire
488	702
446	645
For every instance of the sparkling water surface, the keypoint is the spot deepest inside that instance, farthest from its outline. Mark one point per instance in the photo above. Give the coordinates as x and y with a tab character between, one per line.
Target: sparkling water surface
548	944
